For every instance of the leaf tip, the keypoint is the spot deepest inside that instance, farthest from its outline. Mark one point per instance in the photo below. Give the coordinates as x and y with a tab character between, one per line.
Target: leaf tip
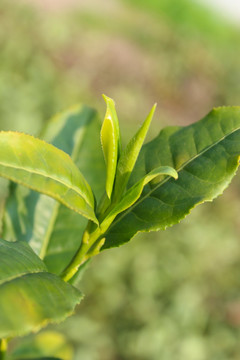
108	99
153	109
150	117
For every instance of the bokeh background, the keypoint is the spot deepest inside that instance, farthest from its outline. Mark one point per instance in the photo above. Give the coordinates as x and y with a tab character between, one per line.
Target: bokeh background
173	295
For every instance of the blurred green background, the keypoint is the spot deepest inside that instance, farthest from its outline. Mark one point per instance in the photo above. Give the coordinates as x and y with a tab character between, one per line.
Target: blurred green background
173	295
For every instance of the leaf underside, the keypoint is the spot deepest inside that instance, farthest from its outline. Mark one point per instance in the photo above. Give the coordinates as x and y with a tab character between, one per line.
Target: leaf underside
205	155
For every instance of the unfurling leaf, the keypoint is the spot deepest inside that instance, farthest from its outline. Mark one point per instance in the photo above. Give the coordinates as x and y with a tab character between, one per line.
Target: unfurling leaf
129	157
111	144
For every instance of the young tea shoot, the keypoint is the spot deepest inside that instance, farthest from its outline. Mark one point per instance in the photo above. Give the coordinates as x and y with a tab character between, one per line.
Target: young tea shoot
75	192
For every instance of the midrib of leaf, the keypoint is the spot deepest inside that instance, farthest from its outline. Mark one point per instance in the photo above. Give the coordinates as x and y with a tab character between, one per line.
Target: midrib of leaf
18	276
55	212
44	175
168	177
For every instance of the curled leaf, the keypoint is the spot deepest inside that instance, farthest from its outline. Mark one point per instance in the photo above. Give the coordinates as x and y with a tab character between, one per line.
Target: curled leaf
110	139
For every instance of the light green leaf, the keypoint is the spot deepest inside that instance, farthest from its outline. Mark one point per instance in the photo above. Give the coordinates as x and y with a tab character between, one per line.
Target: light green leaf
129	157
110	139
46	169
133	194
30	296
53	230
206	157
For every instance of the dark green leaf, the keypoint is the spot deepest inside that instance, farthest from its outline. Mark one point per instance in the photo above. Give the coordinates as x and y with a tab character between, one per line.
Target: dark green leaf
30	296
206	156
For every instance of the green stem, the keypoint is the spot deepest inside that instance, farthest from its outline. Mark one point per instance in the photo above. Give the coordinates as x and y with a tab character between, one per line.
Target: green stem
81	256
3	349
92	240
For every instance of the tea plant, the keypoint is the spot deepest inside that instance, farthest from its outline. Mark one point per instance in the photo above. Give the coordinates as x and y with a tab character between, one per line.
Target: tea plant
54	224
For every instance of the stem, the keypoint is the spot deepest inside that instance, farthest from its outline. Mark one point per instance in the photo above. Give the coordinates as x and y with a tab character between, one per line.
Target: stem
85	251
92	240
3	349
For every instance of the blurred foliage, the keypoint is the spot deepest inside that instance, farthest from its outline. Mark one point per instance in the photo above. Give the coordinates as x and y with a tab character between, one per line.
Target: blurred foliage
169	295
46	343
191	18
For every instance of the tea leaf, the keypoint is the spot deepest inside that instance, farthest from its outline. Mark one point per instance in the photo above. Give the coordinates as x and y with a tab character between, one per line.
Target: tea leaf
110	139
133	194
46	169
206	157
53	230
30	296
129	157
